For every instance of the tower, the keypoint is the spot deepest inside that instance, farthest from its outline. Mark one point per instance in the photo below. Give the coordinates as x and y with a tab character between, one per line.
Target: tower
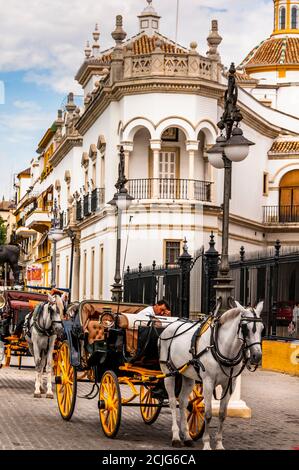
149	20
286	17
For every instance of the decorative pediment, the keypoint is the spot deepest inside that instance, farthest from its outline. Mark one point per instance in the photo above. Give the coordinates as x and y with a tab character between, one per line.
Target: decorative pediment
93	152
67	176
85	160
101	145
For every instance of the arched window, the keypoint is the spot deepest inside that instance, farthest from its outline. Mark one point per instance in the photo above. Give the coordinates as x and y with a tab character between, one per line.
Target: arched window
282	18
289	197
294	17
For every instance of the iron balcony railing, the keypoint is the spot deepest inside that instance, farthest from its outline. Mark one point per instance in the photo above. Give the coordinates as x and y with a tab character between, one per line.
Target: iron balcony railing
86	205
280	214
97	199
90	203
170	188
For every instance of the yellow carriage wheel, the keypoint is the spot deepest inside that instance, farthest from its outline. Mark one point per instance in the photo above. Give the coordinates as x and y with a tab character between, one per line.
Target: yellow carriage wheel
196	413
66	382
110	404
149	413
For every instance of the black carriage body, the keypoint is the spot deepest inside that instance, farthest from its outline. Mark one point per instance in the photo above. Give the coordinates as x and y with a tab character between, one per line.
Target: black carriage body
17	305
111	352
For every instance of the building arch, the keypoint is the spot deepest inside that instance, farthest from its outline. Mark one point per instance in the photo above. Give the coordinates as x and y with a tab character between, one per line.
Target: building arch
209	129
134	126
275	180
180	123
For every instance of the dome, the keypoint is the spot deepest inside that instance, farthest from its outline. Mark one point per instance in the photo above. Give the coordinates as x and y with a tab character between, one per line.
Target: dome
280	52
273	54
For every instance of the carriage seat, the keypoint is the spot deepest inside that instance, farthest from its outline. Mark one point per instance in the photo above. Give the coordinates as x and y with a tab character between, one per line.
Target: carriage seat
91	312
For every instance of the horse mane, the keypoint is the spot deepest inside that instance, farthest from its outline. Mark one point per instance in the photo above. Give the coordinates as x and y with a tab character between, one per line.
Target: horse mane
229	315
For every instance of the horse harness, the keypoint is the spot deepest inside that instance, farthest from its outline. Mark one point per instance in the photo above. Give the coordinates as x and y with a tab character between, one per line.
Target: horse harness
35	315
214	324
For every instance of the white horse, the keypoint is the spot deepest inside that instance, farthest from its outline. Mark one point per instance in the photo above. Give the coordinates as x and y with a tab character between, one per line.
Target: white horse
215	358
41	329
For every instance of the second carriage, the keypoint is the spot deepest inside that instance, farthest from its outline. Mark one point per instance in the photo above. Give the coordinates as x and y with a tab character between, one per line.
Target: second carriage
111	346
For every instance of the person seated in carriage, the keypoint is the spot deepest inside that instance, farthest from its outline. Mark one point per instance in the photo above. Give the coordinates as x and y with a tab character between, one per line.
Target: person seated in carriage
160	309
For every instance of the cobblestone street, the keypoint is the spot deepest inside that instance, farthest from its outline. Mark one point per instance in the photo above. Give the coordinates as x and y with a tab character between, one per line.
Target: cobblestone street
28	423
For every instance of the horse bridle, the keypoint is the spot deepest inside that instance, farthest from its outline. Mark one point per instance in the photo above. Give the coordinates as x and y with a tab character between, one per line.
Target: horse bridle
40	329
245	331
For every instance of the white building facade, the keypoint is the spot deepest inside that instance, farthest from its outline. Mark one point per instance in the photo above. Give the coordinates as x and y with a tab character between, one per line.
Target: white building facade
161	102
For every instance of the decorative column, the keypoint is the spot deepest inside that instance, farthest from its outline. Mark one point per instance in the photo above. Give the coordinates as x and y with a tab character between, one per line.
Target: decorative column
128	149
191	147
156	148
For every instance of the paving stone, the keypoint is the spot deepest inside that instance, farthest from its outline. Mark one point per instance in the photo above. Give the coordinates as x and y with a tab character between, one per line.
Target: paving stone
28	423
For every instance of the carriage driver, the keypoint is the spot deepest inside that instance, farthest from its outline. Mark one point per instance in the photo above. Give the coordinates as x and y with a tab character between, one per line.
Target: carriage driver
160	309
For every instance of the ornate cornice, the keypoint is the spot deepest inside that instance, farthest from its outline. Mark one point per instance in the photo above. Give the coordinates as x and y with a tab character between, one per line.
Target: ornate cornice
66	145
143	86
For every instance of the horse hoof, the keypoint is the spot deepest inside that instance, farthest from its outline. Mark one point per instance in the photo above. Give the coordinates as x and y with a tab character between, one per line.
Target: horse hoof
207	447
42	390
189	443
177	444
37	395
49	395
219	447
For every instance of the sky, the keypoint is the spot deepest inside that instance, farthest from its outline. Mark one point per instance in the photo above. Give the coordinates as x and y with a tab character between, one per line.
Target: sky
42	47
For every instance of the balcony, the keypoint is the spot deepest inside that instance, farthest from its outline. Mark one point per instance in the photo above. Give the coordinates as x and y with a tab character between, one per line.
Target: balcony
168	188
38	220
281	214
90	203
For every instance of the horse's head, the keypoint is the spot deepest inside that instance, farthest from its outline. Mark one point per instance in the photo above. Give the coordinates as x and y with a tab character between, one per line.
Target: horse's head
250	330
58	306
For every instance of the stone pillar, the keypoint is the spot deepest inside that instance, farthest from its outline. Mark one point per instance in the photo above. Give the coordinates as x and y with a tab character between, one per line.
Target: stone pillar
128	149
76	272
191	147
237	407
156	148
157	60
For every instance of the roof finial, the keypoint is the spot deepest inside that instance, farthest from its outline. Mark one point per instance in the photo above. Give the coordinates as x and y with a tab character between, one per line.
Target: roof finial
96	45
119	34
87	50
214	39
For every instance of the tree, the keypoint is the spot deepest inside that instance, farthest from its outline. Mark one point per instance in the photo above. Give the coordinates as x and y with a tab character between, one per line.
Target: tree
2	231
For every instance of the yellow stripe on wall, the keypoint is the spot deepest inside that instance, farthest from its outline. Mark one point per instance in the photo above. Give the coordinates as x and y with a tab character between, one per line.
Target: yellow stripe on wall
281	356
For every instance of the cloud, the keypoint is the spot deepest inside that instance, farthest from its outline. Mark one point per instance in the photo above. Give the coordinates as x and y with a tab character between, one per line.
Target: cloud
27	105
46	39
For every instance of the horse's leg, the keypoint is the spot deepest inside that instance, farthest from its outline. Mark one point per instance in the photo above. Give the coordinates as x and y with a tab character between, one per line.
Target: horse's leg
39	371
49	367
170	388
222	417
208	387
187	387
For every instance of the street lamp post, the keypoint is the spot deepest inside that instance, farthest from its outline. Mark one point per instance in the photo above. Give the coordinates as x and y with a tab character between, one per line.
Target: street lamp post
72	235
121	200
231	146
55	235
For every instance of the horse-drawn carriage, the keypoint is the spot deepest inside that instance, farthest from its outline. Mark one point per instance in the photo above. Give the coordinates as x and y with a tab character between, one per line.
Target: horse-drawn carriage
116	345
14	306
